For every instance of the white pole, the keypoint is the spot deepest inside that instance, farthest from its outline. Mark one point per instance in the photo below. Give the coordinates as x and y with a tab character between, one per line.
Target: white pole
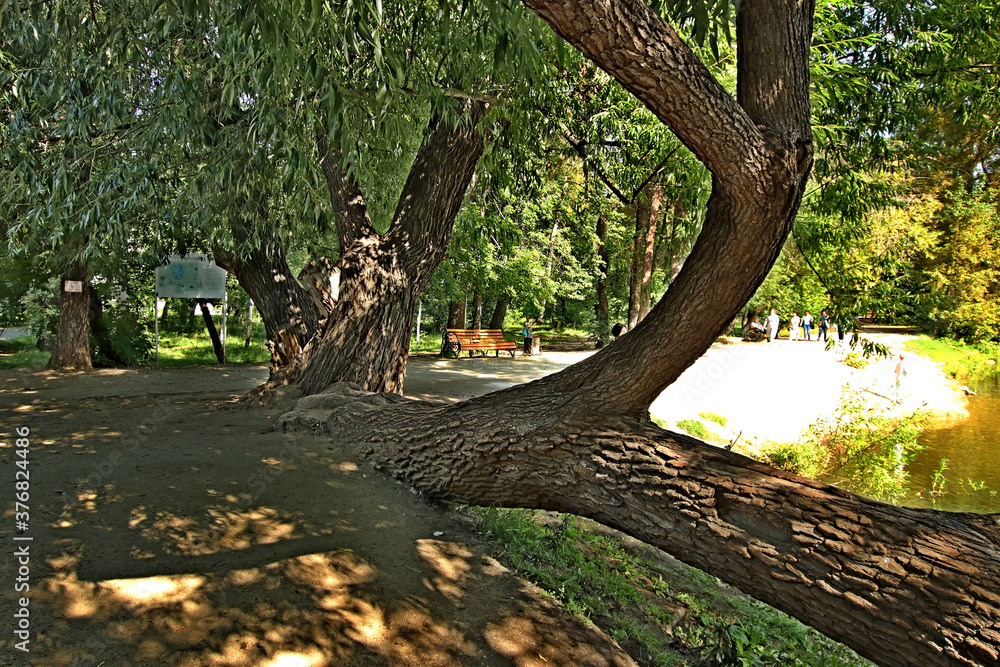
420	311
156	326
249	324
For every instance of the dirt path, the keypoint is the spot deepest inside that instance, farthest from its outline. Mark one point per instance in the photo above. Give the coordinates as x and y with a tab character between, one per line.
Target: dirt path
170	527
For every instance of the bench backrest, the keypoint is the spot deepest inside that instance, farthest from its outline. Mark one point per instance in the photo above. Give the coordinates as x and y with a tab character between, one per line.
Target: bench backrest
478	335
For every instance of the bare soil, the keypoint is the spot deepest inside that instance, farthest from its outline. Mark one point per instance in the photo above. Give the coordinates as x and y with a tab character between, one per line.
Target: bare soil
171	526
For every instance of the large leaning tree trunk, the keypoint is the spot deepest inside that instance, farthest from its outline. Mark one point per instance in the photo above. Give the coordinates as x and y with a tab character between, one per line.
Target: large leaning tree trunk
290	315
900	586
378	278
72	346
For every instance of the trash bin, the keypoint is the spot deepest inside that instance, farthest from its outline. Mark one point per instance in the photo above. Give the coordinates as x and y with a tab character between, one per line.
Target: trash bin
536	345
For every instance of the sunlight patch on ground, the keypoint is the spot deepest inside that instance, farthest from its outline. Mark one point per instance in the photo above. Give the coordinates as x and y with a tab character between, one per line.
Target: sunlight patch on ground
161	590
451	563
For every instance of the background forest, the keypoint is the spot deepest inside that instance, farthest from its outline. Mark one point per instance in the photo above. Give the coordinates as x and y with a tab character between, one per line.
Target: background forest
131	134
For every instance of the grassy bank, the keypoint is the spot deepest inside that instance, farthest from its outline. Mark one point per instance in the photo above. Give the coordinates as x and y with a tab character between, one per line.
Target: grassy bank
21	353
195	349
662	612
968	364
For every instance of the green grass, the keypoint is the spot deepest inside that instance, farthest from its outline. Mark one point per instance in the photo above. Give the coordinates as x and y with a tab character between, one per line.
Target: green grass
966	363
22	353
694	427
195	349
713	417
661	612
430	343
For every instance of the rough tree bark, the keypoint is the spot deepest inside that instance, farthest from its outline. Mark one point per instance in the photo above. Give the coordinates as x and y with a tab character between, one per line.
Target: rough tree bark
72	346
457	313
366	334
290	315
901	586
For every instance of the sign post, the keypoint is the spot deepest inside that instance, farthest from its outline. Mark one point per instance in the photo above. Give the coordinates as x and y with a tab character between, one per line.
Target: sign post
190	277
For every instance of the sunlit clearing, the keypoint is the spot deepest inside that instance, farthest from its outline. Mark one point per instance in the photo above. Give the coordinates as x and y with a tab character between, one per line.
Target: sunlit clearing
161	590
311	658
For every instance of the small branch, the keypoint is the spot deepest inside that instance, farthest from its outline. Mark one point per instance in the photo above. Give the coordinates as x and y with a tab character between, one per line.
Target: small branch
581	149
656	170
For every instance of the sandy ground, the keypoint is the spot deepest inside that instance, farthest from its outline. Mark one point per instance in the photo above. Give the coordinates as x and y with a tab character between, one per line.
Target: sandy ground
766	391
169	526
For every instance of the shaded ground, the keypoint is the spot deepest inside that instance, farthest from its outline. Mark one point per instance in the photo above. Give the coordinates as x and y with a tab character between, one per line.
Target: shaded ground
170	527
165	530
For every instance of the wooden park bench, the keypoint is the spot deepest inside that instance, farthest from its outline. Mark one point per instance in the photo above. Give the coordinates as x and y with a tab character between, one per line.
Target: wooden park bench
457	341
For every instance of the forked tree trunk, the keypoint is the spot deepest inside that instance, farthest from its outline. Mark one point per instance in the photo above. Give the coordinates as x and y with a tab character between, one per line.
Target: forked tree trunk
290	314
901	586
366	336
72	346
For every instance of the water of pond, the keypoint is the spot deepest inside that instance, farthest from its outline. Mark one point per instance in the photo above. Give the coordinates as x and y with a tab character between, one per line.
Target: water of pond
972	448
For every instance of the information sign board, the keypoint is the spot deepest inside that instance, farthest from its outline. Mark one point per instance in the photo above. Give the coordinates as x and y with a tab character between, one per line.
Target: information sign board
73	285
190	277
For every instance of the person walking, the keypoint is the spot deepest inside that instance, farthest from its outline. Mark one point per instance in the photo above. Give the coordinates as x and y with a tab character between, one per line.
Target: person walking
773	322
807	323
793	326
900	374
824	325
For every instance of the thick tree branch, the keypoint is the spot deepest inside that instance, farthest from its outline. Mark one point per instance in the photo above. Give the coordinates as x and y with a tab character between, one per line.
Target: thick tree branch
647	56
434	191
903	587
349	210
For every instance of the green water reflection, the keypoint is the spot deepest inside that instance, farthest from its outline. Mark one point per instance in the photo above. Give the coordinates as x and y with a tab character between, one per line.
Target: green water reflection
972	448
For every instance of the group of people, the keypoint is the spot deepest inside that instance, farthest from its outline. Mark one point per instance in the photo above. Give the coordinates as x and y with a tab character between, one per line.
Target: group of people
799	328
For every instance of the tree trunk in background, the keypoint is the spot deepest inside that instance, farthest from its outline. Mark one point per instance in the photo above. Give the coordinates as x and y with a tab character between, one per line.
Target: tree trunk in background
548	266
477	310
601	310
246	344
290	313
649	257
420	313
366	335
647	211
457	314
499	313
72	346
213	333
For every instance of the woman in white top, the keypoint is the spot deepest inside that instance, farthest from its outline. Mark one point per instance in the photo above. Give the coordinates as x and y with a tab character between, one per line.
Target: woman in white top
793	327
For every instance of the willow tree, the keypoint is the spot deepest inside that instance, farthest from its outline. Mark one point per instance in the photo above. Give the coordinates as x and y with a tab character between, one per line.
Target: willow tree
900	586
